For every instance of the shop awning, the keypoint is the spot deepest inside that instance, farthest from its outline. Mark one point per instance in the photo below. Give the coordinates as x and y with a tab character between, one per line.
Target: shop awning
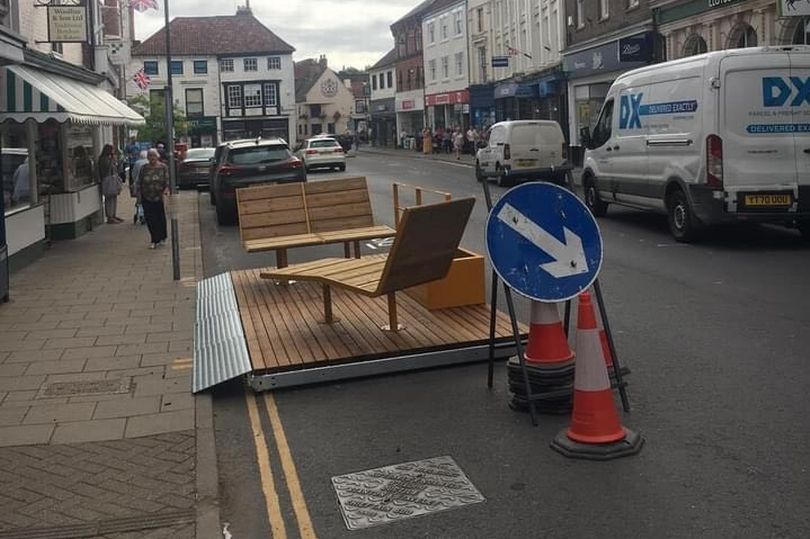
28	92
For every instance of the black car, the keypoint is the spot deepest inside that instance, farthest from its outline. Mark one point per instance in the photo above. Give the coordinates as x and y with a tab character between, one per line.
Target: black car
193	170
241	163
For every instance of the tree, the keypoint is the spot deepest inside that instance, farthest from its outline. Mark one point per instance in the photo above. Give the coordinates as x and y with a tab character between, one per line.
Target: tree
154	112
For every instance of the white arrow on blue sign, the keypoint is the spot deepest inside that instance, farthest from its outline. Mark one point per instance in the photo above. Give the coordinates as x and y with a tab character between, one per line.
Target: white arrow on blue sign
543	242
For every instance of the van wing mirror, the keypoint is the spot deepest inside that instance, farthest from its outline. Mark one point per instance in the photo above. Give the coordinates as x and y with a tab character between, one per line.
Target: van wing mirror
585	136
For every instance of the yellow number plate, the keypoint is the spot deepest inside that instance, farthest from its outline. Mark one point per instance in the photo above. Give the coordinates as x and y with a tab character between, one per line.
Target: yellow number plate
525	162
763	201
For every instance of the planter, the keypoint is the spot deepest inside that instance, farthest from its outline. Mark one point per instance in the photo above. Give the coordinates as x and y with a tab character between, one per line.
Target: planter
463	285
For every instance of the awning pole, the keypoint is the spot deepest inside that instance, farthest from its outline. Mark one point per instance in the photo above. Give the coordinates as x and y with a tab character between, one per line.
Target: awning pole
169	104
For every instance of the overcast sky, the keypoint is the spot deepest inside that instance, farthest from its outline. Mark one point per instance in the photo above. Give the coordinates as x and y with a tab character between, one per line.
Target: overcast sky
350	32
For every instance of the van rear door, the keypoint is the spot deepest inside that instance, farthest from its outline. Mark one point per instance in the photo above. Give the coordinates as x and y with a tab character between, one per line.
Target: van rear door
757	131
800	76
527	146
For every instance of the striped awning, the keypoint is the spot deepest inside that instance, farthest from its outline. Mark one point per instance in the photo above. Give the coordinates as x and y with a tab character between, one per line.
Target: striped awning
30	93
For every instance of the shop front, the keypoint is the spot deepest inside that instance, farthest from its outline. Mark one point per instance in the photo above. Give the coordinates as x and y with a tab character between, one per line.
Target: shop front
259	127
449	109
515	100
202	131
591	71
410	108
482	105
54	121
384	122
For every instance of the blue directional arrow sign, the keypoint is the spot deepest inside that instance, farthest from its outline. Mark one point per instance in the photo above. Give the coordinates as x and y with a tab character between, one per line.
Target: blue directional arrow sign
543	242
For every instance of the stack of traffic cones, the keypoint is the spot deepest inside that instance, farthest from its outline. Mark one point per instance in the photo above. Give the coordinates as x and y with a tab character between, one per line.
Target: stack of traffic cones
549	362
595	432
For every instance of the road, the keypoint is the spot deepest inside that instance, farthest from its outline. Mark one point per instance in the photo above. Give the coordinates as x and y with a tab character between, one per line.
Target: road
715	334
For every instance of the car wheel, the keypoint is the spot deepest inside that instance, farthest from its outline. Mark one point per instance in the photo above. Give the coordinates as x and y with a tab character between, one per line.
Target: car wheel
225	216
592	199
479	174
342	167
683	225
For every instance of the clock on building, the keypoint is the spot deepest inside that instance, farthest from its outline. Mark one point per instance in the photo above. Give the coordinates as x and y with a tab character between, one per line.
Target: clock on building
329	88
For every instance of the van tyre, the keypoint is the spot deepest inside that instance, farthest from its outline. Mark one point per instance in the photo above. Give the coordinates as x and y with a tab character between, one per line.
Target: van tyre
683	225
593	201
342	168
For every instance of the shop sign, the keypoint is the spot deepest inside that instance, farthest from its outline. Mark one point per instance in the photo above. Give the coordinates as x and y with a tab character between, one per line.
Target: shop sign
607	57
202	124
794	8
408	104
695	7
636	48
500	61
449	98
67	24
514	89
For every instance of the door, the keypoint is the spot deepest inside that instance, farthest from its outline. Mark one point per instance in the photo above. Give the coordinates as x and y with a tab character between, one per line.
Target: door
758	107
628	147
601	150
492	153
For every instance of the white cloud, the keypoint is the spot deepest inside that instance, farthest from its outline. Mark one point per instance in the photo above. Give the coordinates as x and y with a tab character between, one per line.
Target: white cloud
349	32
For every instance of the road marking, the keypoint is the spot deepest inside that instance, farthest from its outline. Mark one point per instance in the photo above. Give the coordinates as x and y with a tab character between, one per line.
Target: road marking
290	474
181	364
265	471
453	164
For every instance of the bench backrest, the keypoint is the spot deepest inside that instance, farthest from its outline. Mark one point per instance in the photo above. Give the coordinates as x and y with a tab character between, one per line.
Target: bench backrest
425	244
269	211
338	204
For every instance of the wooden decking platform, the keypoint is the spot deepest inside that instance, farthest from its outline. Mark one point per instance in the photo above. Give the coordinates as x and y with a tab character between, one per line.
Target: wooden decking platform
284	329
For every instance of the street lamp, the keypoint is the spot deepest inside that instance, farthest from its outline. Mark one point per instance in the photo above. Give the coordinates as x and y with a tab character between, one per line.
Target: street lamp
169	100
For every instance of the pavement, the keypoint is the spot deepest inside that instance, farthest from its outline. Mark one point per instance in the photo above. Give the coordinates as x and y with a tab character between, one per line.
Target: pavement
100	435
466	160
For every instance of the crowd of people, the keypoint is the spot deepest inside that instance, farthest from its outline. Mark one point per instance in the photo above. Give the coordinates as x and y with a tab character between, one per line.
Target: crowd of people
451	140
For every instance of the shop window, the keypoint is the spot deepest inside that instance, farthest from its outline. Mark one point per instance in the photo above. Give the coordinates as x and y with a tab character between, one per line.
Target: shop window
802	34
270	95
177	67
150	67
743	36
194	102
274	63
234	96
200	67
16	180
251	64
695	45
79	140
226	65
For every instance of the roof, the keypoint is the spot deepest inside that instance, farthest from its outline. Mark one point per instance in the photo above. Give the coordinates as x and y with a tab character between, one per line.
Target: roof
307	73
418	10
215	36
389	59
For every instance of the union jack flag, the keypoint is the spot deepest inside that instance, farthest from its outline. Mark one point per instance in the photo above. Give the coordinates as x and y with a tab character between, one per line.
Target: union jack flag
511	51
141	79
144	5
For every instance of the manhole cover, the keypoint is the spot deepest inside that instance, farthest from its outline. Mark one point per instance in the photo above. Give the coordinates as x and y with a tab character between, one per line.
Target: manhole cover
401	491
86	387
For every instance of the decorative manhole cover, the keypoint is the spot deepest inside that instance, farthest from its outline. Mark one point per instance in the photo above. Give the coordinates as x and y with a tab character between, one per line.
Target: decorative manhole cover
401	491
86	387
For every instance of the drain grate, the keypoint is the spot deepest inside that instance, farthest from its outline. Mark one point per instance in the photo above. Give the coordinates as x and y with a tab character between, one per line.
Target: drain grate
104	527
401	491
86	387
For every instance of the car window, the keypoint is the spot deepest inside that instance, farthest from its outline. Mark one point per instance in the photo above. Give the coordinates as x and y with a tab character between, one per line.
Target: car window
258	154
602	130
325	143
200	153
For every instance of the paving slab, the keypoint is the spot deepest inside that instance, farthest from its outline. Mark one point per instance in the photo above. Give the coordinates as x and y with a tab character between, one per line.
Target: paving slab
25	435
60	413
55	367
89	431
127	407
159	423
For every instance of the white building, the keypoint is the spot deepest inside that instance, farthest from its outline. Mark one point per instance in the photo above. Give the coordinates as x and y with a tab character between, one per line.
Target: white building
529	37
446	66
325	103
238	82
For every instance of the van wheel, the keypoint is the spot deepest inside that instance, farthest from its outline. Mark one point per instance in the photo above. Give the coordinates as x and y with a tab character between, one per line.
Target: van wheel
683	225
592	199
479	175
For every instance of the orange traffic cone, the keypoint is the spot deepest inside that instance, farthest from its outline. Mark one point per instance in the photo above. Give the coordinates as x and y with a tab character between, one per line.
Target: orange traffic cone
548	346
595	431
603	338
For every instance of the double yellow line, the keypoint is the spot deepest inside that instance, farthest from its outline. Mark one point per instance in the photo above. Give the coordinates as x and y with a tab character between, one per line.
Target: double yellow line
290	474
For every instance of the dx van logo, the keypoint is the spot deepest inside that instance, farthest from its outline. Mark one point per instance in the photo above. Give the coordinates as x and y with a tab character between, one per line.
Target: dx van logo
777	91
630	111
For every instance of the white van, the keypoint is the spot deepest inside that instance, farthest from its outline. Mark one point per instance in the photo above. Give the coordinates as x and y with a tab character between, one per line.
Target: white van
533	149
712	138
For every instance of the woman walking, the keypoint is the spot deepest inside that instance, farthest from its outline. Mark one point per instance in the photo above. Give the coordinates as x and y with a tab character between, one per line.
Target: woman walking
110	183
458	142
153	184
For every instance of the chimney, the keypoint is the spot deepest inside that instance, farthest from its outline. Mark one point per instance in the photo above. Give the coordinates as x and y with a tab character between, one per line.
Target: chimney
244	10
322	61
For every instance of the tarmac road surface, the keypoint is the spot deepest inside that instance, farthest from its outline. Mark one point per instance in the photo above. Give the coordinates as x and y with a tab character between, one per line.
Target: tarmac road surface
716	335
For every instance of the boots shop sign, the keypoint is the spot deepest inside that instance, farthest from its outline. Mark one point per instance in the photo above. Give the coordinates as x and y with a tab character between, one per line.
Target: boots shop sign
67	20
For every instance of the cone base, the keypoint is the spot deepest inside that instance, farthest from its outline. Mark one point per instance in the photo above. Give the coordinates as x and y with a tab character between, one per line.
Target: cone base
629	445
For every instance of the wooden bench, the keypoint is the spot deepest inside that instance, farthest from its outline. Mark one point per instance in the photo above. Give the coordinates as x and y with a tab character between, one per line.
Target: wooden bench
280	217
423	250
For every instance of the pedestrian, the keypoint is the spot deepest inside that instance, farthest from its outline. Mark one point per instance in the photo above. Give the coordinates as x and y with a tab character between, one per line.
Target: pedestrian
153	185
458	143
135	172
110	183
470	144
447	140
132	150
427	141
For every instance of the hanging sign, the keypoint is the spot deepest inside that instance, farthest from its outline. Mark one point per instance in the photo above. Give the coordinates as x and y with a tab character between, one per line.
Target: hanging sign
67	24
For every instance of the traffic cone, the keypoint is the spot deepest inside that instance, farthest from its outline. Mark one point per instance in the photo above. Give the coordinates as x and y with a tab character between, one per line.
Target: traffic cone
603	338
548	345
595	432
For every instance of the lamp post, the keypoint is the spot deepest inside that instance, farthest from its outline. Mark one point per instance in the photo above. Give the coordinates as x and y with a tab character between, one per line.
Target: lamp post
169	103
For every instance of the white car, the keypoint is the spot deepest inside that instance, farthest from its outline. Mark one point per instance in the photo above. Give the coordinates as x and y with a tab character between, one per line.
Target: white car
531	149
323	152
723	136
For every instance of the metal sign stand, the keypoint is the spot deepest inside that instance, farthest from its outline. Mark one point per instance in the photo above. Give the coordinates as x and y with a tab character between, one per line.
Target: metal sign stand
530	396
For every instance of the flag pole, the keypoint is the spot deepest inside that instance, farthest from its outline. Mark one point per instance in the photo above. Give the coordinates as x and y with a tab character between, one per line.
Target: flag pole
169	104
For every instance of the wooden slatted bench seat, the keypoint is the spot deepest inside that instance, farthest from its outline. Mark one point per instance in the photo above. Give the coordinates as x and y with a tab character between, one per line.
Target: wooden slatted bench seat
423	250
280	217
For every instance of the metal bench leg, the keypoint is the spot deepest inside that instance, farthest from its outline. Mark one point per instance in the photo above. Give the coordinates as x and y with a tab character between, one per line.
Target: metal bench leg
357	249
281	258
327	305
347	249
393	324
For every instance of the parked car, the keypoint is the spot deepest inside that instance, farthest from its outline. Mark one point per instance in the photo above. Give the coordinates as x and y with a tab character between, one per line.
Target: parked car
529	149
321	152
707	139
241	163
193	171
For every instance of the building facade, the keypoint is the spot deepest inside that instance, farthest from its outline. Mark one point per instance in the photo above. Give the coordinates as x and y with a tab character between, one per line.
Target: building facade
325	103
409	100
446	67
604	39
231	76
383	82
